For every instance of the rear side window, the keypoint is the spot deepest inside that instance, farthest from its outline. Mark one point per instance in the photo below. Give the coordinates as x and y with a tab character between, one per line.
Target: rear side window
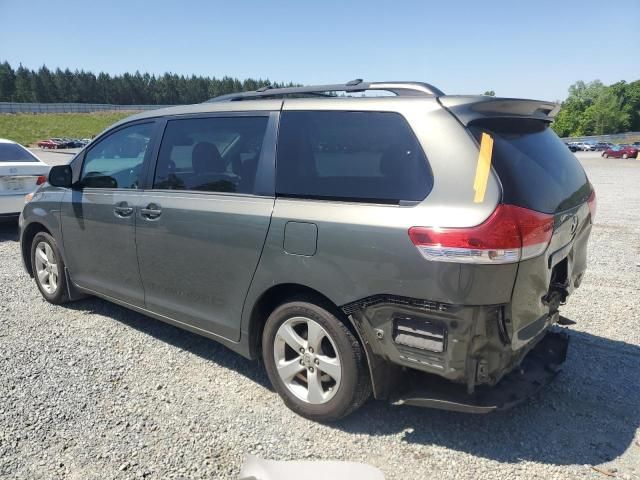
216	154
536	169
10	152
352	156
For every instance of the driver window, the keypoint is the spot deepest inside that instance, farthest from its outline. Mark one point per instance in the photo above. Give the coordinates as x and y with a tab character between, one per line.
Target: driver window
116	161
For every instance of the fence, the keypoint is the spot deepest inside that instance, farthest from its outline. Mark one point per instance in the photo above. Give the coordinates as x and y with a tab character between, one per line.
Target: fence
628	137
13	107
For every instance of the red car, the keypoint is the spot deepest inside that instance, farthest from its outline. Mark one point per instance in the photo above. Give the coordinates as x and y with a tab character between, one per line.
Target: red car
621	151
48	144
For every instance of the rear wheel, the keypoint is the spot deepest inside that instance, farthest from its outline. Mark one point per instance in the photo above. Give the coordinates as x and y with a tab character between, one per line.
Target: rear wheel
314	362
48	268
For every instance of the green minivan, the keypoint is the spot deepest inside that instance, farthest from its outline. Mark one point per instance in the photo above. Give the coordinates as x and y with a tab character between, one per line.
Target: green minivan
401	242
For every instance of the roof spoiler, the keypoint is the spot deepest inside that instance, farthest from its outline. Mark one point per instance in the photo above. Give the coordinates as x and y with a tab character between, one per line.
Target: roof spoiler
467	109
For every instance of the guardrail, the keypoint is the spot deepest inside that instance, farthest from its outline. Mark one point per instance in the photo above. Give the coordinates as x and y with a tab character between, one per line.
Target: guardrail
14	107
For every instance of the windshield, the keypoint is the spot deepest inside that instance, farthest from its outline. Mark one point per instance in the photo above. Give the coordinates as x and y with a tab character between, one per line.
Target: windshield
11	152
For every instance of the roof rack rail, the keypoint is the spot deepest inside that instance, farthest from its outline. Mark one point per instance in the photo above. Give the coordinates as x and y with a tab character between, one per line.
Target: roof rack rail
403	89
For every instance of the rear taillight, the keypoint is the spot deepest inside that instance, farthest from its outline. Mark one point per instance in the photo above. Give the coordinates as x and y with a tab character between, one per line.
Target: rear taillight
41	179
509	235
592	204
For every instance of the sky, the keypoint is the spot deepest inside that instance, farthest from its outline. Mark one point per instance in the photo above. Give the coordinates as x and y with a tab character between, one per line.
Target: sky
533	49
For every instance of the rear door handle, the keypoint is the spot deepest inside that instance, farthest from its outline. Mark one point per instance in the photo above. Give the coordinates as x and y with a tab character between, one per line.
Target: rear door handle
151	212
123	210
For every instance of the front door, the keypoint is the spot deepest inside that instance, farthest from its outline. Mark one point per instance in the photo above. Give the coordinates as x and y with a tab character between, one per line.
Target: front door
201	229
98	215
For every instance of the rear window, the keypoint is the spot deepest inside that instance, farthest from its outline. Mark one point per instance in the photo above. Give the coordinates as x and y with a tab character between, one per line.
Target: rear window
351	156
10	152
536	169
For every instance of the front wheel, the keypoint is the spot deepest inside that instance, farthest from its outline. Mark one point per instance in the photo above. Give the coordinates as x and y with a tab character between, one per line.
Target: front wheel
48	268
625	156
314	362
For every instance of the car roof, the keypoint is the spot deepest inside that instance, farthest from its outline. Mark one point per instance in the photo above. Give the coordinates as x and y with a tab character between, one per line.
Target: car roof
389	103
318	97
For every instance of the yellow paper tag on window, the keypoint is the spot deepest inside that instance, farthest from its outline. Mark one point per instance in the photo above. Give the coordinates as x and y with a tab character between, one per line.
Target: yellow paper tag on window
483	168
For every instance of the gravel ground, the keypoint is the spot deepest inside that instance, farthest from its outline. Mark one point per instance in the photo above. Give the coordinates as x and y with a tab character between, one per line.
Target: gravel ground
91	390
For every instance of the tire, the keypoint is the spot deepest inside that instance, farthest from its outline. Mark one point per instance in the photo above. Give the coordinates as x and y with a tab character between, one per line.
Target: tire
48	269
337	391
625	156
606	155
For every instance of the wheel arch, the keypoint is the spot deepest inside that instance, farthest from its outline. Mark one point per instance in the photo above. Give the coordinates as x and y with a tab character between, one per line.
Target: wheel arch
276	295
26	239
381	372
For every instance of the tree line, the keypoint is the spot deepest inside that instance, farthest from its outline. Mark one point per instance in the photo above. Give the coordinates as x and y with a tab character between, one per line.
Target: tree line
590	109
596	109
45	85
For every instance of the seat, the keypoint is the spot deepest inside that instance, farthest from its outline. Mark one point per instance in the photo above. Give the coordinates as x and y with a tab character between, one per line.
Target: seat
206	159
209	170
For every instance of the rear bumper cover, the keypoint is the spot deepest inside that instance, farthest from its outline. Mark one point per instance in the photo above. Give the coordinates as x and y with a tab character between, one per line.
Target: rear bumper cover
538	368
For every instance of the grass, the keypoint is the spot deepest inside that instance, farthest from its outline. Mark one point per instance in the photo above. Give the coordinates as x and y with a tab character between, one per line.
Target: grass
28	128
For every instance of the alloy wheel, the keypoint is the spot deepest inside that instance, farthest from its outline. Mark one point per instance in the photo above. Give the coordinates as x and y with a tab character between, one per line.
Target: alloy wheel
46	268
307	360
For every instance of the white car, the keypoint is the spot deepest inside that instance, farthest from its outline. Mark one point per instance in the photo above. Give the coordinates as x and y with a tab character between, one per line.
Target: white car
20	173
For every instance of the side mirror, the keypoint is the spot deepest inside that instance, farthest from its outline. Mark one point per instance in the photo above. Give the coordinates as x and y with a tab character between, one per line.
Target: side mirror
61	176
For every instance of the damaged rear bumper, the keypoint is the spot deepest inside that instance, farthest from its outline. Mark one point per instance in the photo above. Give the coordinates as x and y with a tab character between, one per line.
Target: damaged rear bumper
538	368
451	356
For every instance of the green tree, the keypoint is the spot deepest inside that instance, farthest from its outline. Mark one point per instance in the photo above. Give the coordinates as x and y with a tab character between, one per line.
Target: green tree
593	109
45	86
64	85
490	93
605	115
633	103
7	82
24	88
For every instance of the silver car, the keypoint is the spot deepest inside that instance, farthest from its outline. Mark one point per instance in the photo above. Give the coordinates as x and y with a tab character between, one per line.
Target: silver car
414	246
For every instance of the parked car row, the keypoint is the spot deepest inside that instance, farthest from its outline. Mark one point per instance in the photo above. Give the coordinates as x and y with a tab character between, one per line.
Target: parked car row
588	146
608	149
55	143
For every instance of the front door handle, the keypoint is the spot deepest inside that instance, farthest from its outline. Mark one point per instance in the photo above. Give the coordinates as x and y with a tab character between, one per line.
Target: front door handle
122	210
151	211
